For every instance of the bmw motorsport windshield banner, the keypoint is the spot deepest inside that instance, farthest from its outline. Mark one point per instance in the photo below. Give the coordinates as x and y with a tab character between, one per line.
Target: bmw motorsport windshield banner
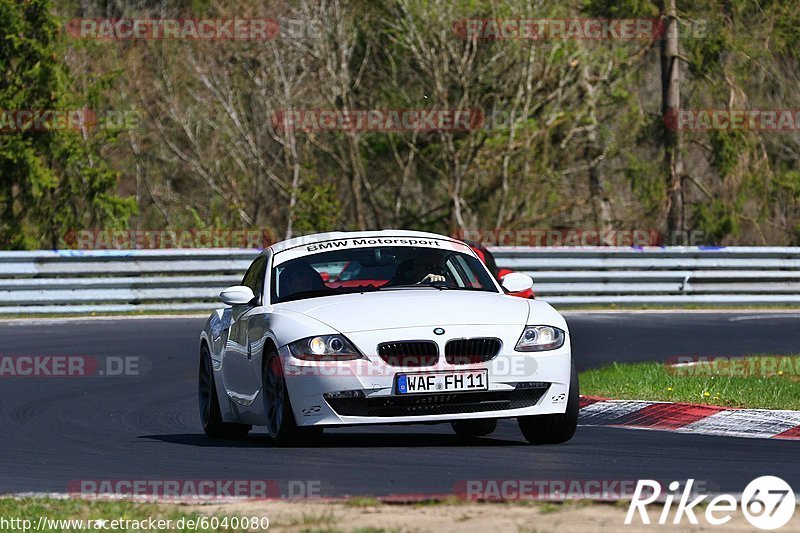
366	242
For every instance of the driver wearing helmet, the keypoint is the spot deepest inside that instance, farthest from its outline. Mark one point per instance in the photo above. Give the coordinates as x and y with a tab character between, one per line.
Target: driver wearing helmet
300	277
420	269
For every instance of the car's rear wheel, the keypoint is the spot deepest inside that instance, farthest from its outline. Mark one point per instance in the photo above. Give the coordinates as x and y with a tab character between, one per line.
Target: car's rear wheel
210	413
281	425
557	428
474	428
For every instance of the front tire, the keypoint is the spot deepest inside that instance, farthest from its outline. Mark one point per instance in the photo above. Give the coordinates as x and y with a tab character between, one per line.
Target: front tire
210	413
474	428
281	425
556	428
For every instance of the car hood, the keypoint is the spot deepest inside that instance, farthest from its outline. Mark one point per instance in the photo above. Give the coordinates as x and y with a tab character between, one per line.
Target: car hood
411	308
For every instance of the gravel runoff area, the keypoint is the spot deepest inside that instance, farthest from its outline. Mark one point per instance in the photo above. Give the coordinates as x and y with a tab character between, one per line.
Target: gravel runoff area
461	517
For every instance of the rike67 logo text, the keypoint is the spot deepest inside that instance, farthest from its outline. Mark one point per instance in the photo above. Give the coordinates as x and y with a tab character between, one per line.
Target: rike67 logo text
767	502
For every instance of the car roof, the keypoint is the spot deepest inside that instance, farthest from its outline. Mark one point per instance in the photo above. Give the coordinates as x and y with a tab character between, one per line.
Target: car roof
335	235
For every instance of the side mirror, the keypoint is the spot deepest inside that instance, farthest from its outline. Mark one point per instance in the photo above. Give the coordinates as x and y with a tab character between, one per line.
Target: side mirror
237	295
503	272
517	282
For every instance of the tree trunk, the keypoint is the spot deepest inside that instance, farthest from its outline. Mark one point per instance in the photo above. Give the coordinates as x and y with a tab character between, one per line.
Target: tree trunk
593	154
670	104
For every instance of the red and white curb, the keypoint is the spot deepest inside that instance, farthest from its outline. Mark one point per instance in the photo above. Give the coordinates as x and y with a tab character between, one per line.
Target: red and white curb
691	418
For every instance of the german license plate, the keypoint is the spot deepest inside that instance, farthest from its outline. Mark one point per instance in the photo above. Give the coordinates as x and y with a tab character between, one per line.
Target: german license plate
428	382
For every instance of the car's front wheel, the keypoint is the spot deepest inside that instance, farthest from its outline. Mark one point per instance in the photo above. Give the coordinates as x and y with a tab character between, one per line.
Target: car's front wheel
557	428
474	428
281	425
210	413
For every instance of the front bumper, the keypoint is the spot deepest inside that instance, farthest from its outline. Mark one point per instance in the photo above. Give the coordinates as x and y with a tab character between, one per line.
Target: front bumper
456	403
519	384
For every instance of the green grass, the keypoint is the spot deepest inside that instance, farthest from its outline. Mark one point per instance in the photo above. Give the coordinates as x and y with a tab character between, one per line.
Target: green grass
362	501
77	509
434	502
767	382
313	519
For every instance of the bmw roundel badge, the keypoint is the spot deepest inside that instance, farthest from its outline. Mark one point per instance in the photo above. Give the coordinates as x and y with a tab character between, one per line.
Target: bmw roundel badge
439	331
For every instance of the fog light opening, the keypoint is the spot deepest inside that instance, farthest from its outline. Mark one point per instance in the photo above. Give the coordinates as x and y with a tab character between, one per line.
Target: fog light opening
343	394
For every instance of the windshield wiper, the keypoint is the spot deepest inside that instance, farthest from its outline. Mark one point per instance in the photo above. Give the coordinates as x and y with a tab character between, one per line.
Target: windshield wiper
307	294
407	286
435	285
440	285
443	286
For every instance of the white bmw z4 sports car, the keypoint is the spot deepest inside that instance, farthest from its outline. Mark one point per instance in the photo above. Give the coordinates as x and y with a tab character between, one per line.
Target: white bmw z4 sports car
383	327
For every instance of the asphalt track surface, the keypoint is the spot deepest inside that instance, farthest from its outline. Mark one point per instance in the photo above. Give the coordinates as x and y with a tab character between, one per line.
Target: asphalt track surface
58	430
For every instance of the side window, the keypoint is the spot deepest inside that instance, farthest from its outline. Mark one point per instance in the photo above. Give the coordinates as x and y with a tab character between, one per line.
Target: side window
454	272
459	263
254	277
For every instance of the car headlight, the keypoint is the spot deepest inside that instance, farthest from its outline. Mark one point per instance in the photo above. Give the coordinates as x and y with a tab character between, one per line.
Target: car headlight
324	348
540	338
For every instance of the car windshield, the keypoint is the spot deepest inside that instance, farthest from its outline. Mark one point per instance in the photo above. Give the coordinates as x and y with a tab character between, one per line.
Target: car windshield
377	268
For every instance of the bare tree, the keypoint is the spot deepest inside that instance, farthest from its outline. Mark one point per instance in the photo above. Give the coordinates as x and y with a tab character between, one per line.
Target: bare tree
670	104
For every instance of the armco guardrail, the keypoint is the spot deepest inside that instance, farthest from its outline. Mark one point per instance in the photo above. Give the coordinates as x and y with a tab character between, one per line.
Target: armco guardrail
111	281
106	281
675	276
